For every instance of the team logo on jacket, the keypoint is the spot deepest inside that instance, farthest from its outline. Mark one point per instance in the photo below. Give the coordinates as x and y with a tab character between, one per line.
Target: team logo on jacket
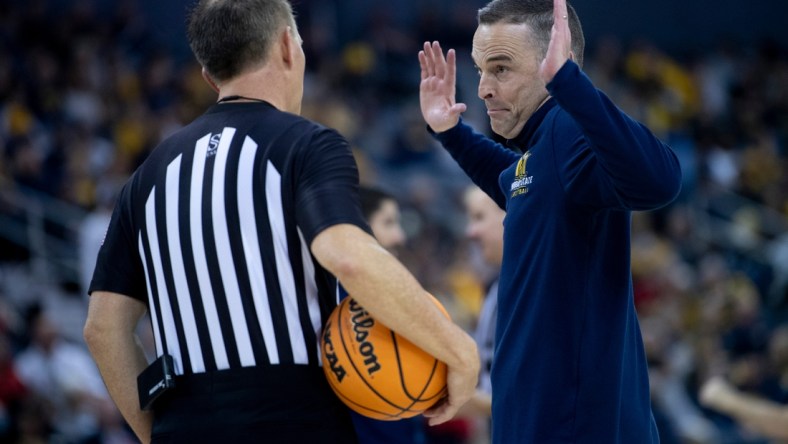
521	178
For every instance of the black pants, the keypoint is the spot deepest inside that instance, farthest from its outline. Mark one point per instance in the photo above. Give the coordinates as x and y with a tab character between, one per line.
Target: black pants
277	404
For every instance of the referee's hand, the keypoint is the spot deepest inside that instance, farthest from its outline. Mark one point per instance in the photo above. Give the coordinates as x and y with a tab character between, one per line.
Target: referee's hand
461	383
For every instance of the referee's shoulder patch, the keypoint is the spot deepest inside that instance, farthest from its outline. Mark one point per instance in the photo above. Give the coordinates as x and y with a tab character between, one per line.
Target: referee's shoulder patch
213	144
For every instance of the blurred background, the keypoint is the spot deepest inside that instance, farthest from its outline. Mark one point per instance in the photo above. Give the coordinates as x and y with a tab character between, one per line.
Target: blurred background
88	88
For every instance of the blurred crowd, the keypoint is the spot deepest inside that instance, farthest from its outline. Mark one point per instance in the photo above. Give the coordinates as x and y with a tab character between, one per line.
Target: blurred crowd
84	97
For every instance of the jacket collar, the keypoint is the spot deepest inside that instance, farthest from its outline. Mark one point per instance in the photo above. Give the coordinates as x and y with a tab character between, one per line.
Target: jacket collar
521	141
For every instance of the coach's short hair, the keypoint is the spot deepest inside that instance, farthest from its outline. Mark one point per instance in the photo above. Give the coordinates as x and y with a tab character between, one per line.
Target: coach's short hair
229	36
538	15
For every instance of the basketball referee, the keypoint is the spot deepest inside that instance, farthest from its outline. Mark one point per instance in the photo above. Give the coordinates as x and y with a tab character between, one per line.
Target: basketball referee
232	235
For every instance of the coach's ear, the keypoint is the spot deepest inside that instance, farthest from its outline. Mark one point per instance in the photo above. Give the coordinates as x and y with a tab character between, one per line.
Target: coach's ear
209	80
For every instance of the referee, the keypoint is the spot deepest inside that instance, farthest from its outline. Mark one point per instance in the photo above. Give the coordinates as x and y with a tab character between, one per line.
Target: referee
232	235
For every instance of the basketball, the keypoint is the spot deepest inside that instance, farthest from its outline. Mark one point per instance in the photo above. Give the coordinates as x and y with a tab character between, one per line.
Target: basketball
376	372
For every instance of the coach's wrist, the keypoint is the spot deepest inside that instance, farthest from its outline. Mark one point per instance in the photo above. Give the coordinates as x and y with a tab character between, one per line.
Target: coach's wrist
436	129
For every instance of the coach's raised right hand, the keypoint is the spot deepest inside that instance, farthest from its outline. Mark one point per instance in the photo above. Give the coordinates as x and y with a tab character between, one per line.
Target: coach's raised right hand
438	88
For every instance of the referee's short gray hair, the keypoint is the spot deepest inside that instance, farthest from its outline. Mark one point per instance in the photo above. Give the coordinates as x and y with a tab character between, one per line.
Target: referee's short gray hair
229	36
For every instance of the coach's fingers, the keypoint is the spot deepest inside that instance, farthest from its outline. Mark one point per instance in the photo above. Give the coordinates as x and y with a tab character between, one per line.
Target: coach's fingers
429	58
561	26
423	65
451	66
560	11
440	60
559	48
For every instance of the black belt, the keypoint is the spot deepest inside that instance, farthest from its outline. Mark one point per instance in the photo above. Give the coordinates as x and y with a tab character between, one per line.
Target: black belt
276	377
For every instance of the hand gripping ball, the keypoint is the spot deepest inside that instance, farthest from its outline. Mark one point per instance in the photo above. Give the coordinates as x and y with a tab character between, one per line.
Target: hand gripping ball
376	372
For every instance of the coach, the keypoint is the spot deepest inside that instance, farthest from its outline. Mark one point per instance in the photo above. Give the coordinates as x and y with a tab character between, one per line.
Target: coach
569	364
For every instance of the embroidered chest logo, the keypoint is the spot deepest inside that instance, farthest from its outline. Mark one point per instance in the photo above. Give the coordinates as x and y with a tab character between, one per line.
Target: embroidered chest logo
213	144
521	177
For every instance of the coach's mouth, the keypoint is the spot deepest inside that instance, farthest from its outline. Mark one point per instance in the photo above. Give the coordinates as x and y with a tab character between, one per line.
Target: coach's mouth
496	111
495	108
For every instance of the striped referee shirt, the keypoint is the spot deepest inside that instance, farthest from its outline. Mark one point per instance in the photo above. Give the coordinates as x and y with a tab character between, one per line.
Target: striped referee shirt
212	233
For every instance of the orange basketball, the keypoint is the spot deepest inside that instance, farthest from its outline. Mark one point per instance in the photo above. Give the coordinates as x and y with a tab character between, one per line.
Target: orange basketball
376	372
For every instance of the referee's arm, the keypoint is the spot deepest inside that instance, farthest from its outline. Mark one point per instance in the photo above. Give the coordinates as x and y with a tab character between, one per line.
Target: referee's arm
109	333
392	295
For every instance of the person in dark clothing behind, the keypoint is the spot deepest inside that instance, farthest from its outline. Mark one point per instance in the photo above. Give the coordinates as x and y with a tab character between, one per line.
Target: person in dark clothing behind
569	364
381	211
233	234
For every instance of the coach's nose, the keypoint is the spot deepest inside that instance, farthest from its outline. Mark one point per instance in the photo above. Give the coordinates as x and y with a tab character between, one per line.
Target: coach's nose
486	89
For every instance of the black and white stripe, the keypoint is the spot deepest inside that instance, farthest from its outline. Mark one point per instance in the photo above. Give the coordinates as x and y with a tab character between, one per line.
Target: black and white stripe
230	279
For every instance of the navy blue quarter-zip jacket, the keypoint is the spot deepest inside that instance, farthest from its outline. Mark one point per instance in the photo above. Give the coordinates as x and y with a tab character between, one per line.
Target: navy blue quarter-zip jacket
569	364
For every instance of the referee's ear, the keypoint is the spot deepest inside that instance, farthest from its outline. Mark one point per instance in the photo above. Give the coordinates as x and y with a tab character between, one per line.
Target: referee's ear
209	80
289	46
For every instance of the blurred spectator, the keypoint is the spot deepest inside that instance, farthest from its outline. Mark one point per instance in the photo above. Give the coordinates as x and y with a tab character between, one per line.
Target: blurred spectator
12	391
65	376
762	416
381	211
91	234
485	229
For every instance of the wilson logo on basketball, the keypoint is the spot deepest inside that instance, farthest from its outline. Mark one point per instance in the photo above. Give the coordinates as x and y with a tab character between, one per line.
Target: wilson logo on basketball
362	323
373	370
331	354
